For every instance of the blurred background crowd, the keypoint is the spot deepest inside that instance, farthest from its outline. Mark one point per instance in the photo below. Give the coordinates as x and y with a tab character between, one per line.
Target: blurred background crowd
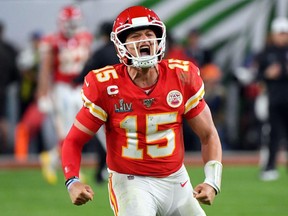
240	46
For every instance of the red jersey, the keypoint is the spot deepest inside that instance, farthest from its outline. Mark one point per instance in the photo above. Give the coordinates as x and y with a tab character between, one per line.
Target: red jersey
69	54
144	131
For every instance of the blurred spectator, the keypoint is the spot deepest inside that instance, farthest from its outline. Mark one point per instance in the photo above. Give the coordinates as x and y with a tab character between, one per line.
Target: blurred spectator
103	56
174	50
212	77
197	54
201	57
215	96
31	118
273	72
8	74
28	65
63	55
249	125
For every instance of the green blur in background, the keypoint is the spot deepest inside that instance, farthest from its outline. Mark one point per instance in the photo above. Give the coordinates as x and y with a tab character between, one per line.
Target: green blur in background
25	193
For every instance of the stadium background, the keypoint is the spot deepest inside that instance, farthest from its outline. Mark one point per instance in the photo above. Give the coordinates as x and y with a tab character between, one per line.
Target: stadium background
226	26
232	28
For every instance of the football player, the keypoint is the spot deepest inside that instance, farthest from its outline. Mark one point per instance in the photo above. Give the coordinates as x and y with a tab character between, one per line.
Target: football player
142	101
63	55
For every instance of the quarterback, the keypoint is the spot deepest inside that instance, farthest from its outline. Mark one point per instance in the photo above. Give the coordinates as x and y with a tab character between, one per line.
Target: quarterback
142	102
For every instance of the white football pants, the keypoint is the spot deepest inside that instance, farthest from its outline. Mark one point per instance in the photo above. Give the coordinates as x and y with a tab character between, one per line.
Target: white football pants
149	196
67	102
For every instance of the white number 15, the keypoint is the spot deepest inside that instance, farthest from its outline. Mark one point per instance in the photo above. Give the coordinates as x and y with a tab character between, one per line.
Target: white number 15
153	134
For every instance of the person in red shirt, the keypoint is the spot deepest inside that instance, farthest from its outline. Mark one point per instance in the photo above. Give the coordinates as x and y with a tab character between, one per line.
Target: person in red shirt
63	56
142	102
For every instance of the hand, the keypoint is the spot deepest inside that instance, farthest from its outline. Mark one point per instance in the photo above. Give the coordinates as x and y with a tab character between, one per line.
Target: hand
80	193
273	71
45	104
205	193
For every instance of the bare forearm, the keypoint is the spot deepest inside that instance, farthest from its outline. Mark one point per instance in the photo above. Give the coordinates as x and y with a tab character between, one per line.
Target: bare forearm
204	127
44	77
211	147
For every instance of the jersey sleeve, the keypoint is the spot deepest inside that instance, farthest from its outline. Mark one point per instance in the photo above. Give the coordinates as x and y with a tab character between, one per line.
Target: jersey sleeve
91	96
194	92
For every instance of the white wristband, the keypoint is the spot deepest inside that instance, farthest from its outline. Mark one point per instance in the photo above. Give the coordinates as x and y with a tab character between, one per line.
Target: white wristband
213	174
71	181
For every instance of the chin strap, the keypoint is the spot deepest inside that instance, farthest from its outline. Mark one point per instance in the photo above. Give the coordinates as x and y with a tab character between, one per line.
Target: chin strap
213	174
145	62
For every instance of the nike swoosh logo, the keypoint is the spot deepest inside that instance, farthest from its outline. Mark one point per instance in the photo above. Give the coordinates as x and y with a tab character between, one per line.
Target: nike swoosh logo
183	184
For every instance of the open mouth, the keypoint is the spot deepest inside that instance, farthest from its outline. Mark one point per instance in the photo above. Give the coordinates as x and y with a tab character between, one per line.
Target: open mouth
144	51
